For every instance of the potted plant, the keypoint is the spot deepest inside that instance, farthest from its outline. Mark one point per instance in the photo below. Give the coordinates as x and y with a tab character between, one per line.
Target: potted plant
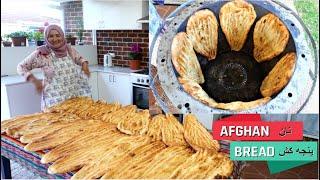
30	39
6	40
71	39
19	38
39	38
135	56
80	31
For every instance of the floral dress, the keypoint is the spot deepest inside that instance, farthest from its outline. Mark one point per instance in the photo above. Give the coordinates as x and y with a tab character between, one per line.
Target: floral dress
63	77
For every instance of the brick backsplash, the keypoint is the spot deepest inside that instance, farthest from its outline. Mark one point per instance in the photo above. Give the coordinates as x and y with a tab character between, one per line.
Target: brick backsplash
72	15
119	42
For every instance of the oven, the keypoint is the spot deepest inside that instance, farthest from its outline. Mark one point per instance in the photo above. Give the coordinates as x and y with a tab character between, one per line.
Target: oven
140	89
140	95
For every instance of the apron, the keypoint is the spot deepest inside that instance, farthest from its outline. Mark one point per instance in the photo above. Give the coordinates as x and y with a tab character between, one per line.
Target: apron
67	81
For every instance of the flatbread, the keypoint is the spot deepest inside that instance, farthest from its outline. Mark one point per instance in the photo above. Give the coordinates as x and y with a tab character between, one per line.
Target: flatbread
204	165
236	19
279	76
196	91
240	106
172	132
141	158
136	124
165	163
184	58
116	116
270	38
202	30
197	136
155	127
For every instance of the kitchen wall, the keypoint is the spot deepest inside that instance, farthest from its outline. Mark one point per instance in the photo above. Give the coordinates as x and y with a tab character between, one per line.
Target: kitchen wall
72	14
117	41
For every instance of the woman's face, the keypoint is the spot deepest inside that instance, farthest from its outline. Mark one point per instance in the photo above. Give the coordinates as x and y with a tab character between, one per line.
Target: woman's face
55	38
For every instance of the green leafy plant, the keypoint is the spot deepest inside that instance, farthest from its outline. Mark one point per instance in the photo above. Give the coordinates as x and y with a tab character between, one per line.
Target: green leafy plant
6	38
135	52
38	36
80	30
69	36
18	34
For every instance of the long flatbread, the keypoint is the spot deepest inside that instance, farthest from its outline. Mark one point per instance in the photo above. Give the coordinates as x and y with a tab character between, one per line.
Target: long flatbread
202	29
184	58
197	136
270	38
236	19
279	76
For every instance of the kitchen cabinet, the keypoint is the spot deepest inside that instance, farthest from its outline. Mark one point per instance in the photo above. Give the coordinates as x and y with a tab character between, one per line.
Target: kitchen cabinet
114	14
115	87
93	82
19	99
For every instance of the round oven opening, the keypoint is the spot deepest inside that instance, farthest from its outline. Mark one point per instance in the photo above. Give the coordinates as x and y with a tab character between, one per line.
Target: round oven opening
236	75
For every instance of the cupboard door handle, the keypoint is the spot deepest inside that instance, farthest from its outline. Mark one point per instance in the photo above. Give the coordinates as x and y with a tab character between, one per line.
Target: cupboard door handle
114	78
110	78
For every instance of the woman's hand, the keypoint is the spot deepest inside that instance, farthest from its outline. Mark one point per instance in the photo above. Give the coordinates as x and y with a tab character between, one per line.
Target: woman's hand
37	83
85	68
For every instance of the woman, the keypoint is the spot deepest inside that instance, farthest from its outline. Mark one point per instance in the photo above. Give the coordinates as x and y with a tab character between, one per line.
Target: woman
63	76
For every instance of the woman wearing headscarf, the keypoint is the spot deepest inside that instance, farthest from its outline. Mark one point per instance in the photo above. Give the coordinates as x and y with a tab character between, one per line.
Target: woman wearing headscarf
63	67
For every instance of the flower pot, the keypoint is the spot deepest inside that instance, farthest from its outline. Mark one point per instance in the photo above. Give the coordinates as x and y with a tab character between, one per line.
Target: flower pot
7	43
40	43
134	64
72	40
19	41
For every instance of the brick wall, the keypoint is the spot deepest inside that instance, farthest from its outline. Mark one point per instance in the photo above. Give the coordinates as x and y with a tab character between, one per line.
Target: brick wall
119	42
73	18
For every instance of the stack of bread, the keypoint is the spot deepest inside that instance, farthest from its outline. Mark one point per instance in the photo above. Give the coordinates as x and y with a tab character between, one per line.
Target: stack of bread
120	142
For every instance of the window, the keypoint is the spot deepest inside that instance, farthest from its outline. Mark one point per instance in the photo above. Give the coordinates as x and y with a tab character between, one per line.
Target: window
29	15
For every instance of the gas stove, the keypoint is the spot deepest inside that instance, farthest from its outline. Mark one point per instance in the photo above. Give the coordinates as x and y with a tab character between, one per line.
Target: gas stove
140	77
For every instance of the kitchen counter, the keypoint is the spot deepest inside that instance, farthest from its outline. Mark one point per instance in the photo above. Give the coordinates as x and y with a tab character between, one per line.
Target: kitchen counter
16	79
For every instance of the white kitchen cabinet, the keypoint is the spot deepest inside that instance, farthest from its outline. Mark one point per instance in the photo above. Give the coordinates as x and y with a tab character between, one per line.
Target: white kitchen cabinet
19	99
93	82
114	87
113	14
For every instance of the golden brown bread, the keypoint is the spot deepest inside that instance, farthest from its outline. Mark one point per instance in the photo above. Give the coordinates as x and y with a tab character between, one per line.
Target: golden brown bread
197	136
279	76
155	127
97	148
204	165
172	132
240	106
196	91
270	37
140	159
164	163
136	124
184	58
105	159
202	30
74	129
116	116
89	139
236	19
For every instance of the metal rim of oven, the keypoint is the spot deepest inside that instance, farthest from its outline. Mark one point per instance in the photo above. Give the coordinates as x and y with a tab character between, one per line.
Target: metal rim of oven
290	100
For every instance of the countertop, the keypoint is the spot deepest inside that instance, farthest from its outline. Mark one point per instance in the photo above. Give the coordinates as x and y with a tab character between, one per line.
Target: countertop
16	79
